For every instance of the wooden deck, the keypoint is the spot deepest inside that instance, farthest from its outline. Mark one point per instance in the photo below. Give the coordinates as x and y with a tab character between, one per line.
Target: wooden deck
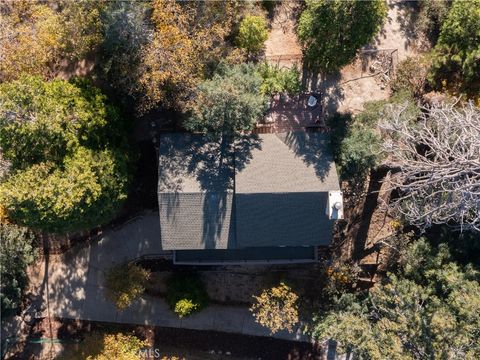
292	114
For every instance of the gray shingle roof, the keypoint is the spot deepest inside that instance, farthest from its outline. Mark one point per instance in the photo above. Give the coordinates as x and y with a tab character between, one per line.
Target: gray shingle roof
261	190
290	162
189	163
282	219
196	221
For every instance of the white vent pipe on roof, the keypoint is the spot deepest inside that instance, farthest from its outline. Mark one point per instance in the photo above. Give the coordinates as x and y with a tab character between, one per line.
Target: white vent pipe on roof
334	209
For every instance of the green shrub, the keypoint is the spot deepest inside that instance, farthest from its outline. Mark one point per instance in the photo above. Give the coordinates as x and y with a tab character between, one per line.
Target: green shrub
125	283
276	80
186	294
359	152
456	54
16	253
355	140
411	76
253	33
185	307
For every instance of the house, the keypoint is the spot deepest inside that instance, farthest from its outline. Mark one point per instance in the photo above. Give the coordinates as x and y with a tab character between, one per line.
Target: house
258	198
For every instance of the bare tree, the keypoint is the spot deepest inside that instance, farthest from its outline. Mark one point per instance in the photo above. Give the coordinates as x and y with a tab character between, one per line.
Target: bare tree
438	156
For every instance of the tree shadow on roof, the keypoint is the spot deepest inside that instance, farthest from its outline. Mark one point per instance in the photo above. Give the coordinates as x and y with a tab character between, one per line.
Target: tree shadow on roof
192	164
313	149
195	162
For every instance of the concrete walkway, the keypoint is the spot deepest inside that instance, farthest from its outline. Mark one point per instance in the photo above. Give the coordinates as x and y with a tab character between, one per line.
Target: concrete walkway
72	287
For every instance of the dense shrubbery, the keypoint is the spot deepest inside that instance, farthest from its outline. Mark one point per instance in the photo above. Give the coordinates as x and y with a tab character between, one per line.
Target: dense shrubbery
332	31
16	253
68	153
356	141
411	76
186	294
277	80
430	309
252	33
457	52
430	16
125	283
340	278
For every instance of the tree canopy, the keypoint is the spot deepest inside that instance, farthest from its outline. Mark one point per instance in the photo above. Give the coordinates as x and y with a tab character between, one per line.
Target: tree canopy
63	141
276	308
43	121
332	31
16	253
125	32
252	33
430	310
31	39
228	103
85	191
37	36
187	38
456	56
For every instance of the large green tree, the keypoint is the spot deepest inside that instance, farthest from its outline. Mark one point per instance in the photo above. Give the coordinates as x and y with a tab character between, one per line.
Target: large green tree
430	310
228	103
68	154
83	192
332	31
456	56
43	121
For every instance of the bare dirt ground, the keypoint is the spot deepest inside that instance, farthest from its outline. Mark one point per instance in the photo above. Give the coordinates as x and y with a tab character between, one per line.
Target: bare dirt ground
355	84
282	47
366	79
